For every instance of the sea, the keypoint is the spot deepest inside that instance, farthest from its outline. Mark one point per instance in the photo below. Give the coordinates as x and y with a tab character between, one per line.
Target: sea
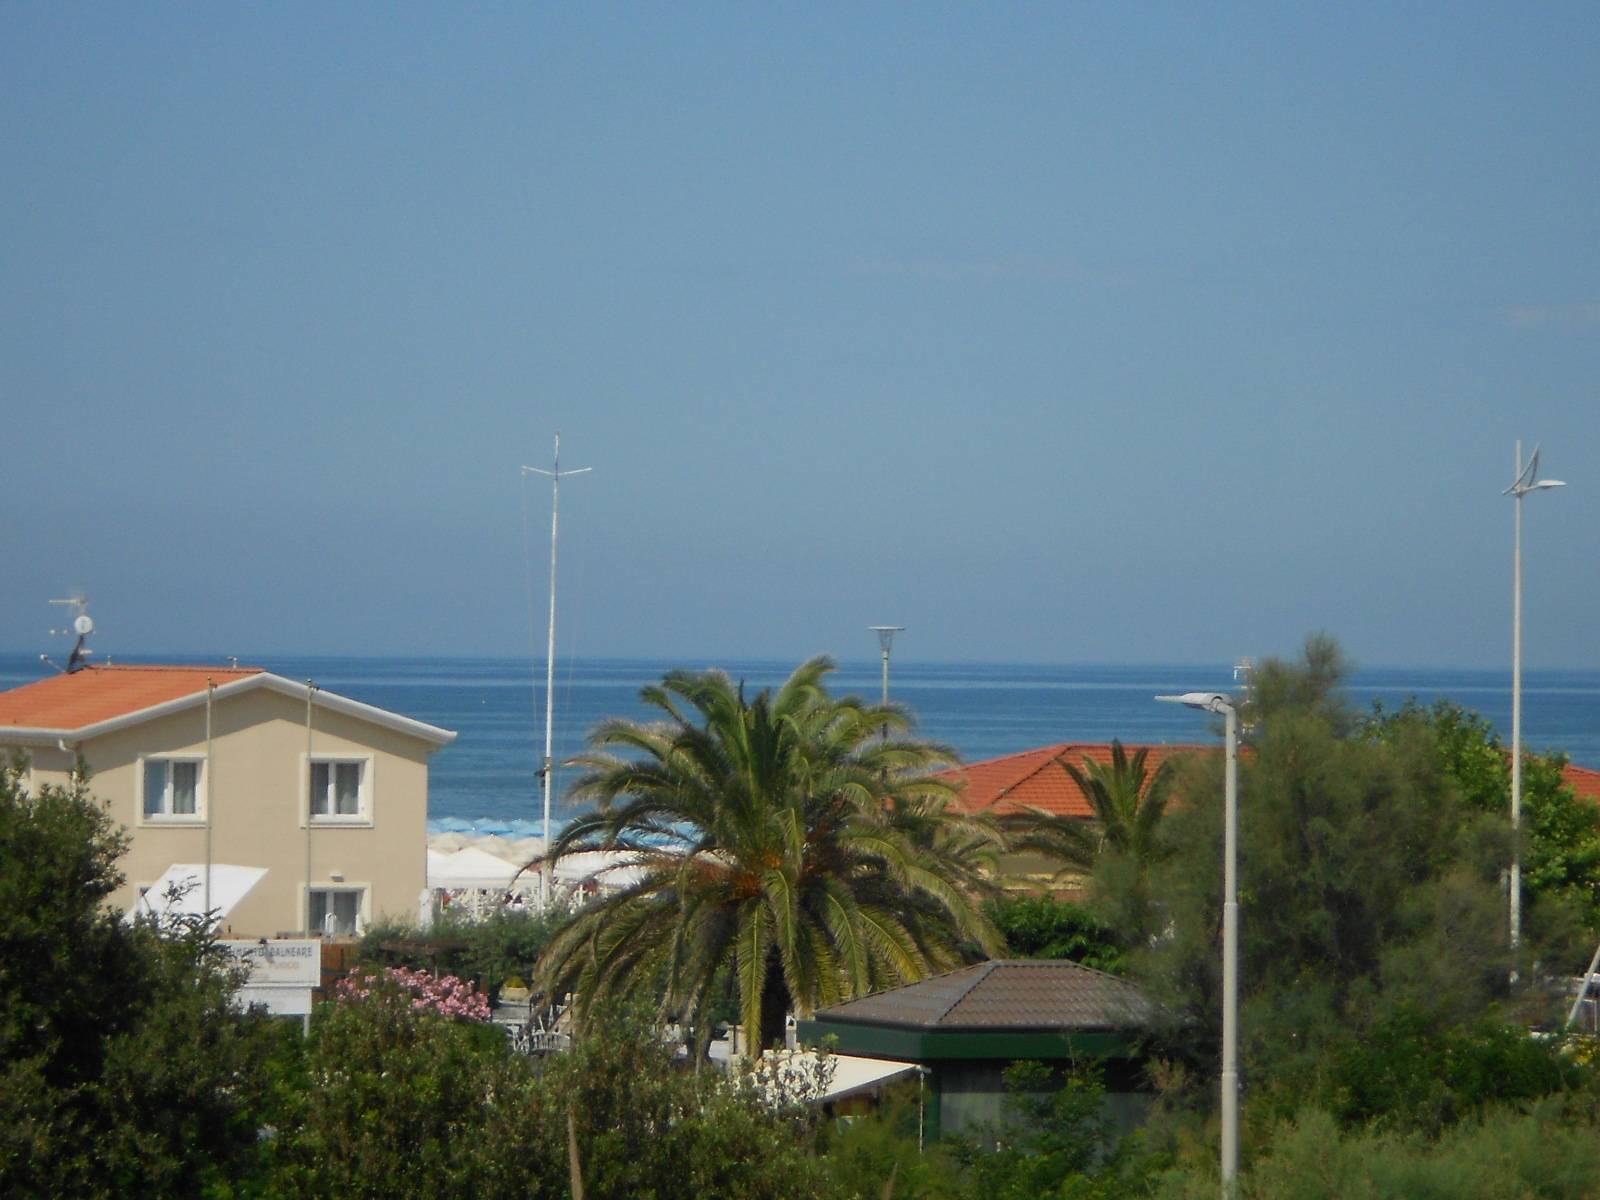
485	782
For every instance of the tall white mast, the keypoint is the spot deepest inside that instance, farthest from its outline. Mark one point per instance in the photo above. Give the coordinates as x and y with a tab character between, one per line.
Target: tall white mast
1527	480
554	475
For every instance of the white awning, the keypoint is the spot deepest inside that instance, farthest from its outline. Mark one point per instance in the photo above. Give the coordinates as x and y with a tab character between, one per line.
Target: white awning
608	868
187	883
852	1073
474	868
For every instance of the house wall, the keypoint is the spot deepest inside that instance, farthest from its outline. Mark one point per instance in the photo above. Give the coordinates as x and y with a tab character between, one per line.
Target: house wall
254	788
973	1095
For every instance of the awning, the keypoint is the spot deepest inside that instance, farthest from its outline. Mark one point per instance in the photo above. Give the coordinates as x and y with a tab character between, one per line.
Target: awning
610	869
474	868
852	1074
182	890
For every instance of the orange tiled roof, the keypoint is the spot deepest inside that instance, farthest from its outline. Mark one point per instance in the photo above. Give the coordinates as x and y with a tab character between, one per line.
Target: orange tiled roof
1582	780
97	694
1035	778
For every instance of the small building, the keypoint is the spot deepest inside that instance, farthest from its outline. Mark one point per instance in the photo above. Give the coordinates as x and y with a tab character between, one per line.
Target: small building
280	806
967	1026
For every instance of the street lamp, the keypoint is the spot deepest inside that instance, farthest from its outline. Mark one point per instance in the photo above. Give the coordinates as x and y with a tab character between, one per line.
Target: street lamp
1224	705
1527	480
885	644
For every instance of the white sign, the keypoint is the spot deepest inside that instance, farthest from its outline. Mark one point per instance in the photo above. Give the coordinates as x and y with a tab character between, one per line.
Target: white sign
279	962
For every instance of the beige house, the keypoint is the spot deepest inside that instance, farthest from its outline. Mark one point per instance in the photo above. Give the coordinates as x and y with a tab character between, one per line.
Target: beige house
283	807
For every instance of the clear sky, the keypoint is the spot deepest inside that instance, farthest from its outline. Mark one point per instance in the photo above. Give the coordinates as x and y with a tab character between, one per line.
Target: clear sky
1055	333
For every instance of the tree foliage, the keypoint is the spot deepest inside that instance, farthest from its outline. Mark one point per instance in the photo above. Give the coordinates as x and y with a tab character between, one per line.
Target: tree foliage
1369	885
389	1093
493	951
123	1069
1549	1150
1560	830
787	836
390	1099
1047	928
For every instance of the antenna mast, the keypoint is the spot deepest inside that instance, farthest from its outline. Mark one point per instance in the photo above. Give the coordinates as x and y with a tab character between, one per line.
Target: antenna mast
555	476
82	626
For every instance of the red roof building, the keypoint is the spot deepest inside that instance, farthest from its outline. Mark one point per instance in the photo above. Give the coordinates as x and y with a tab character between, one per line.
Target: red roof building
1036	778
1583	780
275	805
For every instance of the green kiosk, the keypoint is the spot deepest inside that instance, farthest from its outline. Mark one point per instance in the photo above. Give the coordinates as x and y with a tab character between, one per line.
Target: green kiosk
967	1026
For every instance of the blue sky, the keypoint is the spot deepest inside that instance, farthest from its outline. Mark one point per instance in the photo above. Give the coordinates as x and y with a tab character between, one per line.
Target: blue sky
1055	333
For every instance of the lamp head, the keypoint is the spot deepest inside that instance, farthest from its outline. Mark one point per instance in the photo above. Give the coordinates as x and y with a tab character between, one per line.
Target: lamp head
1529	480
1211	702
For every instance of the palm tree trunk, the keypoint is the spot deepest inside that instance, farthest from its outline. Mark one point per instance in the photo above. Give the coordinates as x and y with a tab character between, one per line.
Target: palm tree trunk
775	1005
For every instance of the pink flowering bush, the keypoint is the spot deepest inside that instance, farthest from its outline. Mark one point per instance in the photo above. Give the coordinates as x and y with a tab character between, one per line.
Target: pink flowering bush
448	996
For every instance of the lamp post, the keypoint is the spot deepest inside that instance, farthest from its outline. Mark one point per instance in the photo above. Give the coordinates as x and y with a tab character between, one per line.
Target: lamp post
555	475
885	644
1219	703
1527	480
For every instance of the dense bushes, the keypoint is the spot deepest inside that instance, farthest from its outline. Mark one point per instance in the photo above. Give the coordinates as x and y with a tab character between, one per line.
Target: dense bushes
389	1098
123	1071
493	952
1043	927
1548	1152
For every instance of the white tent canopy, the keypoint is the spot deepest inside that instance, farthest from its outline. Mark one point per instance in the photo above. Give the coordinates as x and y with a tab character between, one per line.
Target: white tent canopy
608	868
187	882
474	868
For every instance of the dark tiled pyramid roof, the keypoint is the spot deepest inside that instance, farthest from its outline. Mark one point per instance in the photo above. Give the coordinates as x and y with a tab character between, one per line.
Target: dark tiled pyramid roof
1003	994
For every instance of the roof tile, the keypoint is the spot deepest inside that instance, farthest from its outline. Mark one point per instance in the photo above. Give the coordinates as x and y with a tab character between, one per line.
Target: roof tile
1036	778
101	693
1585	781
1004	994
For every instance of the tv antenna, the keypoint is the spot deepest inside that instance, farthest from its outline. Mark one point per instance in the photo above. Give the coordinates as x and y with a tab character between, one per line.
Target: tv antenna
82	626
555	475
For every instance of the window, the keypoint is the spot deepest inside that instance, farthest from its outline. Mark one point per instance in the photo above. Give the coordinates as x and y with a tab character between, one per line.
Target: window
337	791
171	788
336	910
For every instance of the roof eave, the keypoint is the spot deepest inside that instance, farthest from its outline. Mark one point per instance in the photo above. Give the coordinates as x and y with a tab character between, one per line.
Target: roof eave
919	1027
28	735
421	730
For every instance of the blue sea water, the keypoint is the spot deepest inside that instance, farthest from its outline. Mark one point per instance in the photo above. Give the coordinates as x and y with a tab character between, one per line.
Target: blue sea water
486	780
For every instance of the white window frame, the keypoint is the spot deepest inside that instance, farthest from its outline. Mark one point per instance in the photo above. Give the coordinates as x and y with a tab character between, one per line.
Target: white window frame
363	894
202	798
362	817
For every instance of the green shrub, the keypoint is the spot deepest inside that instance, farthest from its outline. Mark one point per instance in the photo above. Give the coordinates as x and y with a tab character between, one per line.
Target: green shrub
501	946
1410	1071
1547	1152
1044	927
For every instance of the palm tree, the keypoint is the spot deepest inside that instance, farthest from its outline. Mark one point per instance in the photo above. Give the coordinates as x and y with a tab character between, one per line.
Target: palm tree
1127	803
782	837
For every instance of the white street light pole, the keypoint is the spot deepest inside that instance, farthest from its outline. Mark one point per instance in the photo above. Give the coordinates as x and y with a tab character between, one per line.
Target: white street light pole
1217	702
555	476
885	644
1527	480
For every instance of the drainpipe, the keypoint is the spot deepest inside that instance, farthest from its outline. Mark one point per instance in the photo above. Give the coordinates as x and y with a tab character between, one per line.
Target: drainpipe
311	690
211	688
72	768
